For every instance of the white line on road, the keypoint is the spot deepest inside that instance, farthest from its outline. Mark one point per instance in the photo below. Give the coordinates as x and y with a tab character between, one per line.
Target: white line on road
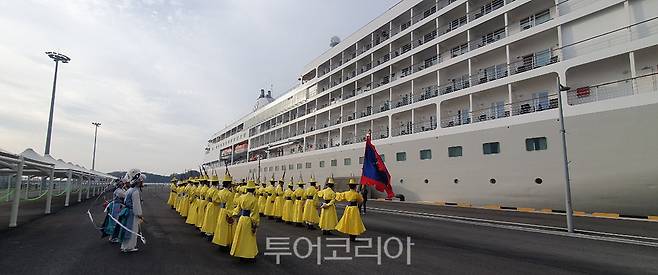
536	228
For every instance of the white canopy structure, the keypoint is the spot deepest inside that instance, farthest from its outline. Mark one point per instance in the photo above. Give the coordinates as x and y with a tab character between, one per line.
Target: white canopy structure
31	164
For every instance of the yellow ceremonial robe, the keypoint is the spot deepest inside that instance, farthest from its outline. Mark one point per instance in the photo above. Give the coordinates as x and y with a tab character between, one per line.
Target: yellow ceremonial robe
224	231
201	208
298	208
328	216
172	195
194	203
278	202
269	201
212	210
289	201
310	214
350	223
244	241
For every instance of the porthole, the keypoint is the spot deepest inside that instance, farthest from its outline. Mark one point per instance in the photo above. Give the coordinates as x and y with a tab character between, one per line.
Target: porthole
538	180
401	181
492	181
427	181
456	181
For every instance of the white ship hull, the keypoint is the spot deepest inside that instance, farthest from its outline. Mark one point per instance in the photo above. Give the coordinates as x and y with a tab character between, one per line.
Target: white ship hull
613	154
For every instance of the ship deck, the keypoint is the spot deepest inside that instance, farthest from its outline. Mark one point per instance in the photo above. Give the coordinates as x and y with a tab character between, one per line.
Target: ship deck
446	240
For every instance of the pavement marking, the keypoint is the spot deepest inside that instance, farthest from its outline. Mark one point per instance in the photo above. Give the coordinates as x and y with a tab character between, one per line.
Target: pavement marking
536	228
605	215
532	210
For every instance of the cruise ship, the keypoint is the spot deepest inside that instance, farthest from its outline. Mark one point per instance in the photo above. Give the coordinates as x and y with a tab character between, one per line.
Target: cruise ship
461	98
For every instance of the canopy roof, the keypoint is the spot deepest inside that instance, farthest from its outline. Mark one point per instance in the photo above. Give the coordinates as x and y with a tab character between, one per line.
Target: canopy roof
38	165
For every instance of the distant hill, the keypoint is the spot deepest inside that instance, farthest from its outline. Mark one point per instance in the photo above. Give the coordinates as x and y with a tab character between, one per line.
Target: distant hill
155	178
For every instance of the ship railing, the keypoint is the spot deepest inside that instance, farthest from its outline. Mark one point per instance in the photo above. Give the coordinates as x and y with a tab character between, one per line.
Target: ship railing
404	99
383	107
486	40
533	61
454	85
405	128
427	93
541	103
538	104
425	125
490	74
647	83
485	9
365	112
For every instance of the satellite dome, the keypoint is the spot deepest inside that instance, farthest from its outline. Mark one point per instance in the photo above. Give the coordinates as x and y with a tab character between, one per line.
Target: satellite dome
334	41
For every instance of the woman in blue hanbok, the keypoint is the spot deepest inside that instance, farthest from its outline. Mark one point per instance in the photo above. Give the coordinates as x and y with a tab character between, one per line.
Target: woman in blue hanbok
131	215
110	228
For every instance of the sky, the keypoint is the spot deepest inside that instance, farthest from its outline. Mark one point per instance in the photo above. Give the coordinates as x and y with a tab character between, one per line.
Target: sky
161	76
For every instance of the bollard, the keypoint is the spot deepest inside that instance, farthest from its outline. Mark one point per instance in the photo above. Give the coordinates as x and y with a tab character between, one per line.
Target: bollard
13	218
49	197
69	176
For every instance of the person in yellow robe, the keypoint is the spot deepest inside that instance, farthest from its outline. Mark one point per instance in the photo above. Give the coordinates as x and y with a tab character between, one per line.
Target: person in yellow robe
223	234
298	208
212	210
180	190
203	202
310	215
172	192
262	198
271	197
187	197
194	203
328	216
278	201
350	223
246	213
288	203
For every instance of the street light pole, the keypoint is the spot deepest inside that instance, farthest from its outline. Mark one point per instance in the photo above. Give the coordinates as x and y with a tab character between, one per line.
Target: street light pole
93	159
565	159
57	57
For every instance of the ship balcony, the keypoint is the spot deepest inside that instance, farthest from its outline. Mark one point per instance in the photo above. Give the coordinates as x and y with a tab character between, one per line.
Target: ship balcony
453	19
643	84
533	61
402	123
484	8
530	15
424	10
424	118
427	88
488	34
401	23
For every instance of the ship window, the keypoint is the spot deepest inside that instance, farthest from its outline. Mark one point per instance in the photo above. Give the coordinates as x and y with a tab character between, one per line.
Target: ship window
299	166
283	168
308	165
321	164
291	166
455	151
347	161
401	156
535	144
276	168
361	160
491	148
334	162
425	154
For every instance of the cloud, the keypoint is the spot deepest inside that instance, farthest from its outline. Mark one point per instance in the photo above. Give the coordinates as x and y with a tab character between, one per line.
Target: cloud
160	75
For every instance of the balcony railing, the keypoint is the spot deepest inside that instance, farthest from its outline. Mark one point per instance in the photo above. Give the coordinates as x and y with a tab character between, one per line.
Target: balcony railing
626	87
534	61
427	93
541	103
423	126
485	9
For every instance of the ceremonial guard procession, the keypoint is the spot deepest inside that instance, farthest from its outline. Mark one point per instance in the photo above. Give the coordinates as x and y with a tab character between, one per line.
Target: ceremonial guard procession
229	215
